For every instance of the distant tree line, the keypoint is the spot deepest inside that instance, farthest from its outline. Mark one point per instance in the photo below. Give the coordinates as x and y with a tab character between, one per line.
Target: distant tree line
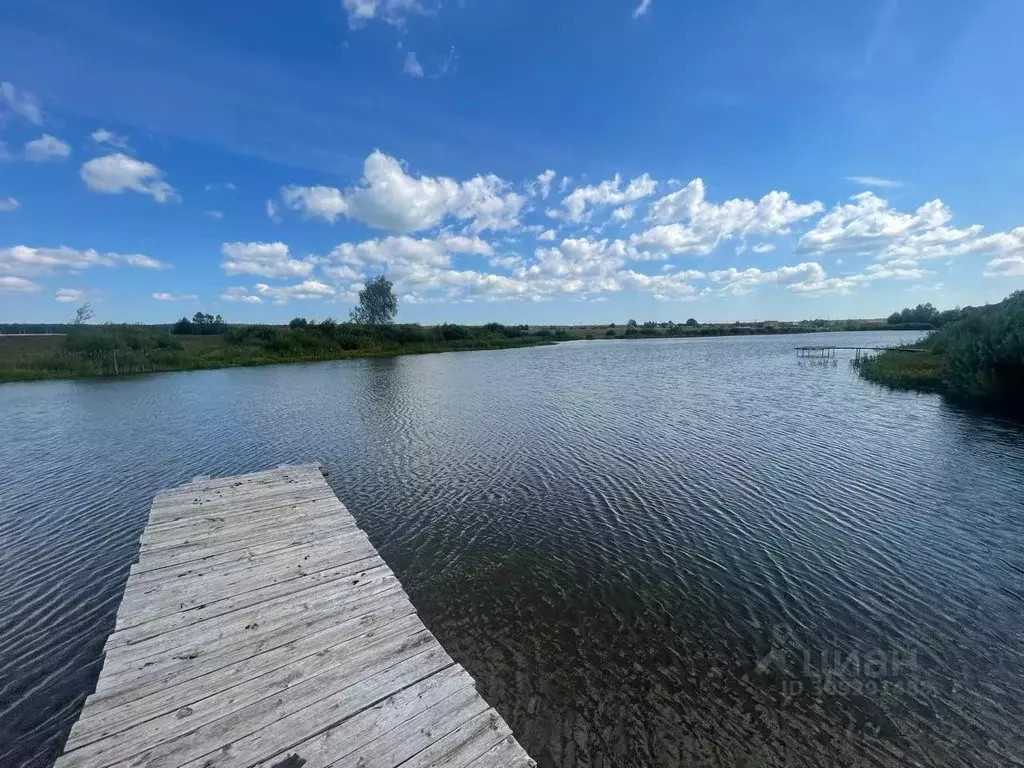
926	316
201	324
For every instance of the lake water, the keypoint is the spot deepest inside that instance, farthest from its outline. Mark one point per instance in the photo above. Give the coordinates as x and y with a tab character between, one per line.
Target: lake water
651	553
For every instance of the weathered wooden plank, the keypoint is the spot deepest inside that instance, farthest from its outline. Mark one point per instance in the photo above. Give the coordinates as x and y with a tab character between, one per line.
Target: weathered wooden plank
421	727
268	498
333	731
252	479
98	722
260	621
143	573
471	740
507	754
191	576
235	592
140	643
131	684
300	681
225	542
253	545
242	737
286	506
217	533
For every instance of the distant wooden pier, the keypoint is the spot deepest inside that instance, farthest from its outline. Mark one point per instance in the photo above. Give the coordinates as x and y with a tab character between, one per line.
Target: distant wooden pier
260	627
830	351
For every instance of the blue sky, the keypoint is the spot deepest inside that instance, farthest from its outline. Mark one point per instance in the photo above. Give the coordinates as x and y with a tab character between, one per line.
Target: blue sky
517	161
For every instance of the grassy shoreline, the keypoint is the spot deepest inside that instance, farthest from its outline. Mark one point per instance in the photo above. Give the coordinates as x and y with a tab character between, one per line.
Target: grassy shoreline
976	360
128	351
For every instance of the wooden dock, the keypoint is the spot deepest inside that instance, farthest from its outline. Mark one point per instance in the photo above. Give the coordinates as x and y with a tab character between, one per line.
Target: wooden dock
260	627
830	351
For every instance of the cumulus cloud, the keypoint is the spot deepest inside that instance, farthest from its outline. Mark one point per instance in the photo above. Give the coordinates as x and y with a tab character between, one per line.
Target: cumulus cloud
1006	266
869	223
685	222
175	297
390	199
240	293
8	204
20	102
763	248
542	186
625	213
801	277
69	295
327	203
390	11
547	234
412	66
608	192
271	208
103	137
643	8
264	260
24	260
309	289
17	285
117	173
46	147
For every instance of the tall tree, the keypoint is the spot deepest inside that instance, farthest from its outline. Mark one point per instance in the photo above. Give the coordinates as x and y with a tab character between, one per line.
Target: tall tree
377	303
83	314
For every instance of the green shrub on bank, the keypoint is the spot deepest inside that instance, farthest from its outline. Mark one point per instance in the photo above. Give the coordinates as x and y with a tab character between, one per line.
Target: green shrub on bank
978	358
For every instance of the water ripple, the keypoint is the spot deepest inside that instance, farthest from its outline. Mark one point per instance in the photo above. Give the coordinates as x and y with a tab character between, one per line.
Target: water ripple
612	537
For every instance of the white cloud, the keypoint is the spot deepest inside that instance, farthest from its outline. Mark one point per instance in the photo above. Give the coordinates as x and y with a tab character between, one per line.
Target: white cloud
240	293
1006	266
869	223
687	223
272	214
25	260
69	295
412	66
390	199
20	102
625	213
143	261
117	173
547	234
800	278
8	204
263	259
310	289
46	147
763	248
391	11
216	186
102	136
874	181
17	285
643	8
327	203
175	297
542	186
214	214
608	192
